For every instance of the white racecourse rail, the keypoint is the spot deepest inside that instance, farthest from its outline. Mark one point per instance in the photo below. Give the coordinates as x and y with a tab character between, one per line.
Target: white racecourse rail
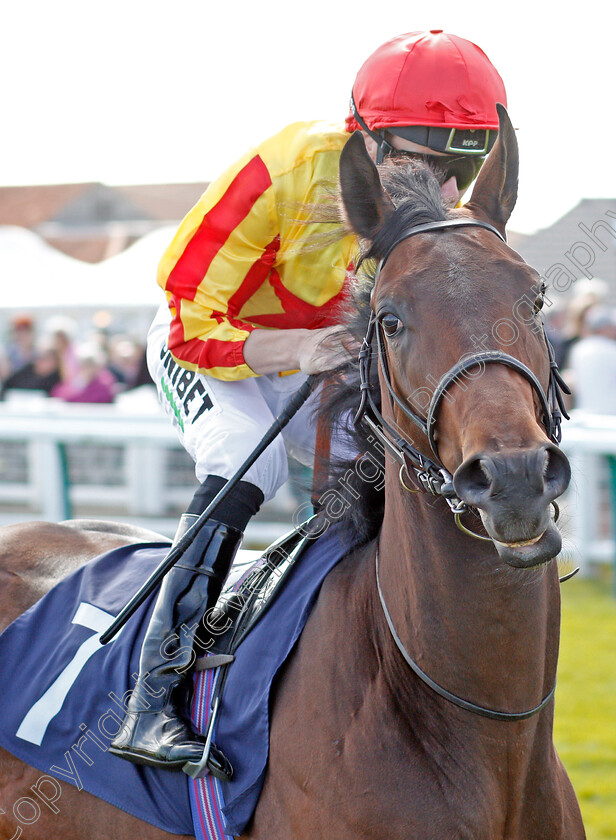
141	485
142	493
590	502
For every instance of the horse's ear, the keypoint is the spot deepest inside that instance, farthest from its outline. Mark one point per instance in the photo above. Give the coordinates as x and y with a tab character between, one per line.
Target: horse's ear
366	204
496	189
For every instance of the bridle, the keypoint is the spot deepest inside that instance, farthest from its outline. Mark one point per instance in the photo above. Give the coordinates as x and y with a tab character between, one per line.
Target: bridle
431	474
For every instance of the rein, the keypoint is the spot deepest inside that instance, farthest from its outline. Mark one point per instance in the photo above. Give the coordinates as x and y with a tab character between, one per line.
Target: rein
442	692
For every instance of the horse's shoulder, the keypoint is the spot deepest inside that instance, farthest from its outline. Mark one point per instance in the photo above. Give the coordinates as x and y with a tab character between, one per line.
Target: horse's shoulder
346	574
346	588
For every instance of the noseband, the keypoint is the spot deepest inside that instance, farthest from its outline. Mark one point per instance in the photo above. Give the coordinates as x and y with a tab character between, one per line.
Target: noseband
431	474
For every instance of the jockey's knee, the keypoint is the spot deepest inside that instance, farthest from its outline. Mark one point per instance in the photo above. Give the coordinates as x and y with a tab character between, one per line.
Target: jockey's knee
225	455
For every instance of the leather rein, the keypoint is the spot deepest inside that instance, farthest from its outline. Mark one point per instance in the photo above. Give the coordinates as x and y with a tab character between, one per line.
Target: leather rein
482	711
430	473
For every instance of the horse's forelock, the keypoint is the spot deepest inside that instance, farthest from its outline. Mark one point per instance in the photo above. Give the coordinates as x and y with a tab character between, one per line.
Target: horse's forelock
416	194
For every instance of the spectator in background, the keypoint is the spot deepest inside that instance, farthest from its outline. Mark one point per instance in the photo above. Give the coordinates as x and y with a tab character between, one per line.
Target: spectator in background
586	294
4	364
143	376
93	382
20	347
124	360
41	374
592	374
555	320
592	362
63	332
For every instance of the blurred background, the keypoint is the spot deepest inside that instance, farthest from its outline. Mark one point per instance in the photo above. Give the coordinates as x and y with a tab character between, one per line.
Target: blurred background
116	116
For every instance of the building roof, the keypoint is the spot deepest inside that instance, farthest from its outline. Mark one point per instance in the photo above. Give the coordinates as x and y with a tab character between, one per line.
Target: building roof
31	207
164	202
582	243
91	221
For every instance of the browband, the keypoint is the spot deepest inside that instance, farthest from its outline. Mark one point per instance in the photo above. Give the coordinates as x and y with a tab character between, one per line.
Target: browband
431	226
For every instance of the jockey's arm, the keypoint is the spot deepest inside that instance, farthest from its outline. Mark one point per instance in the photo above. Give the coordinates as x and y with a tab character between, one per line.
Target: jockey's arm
311	351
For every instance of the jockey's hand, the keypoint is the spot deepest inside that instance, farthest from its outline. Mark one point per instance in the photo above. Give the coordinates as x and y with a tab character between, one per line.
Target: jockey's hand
325	349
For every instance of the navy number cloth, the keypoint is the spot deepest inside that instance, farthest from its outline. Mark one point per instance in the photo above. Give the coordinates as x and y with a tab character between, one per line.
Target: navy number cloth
65	698
64	693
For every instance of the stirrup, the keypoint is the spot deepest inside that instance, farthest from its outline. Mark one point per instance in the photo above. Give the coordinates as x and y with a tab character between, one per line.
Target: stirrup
212	761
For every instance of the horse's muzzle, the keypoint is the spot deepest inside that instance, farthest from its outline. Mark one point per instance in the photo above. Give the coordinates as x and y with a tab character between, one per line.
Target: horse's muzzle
513	491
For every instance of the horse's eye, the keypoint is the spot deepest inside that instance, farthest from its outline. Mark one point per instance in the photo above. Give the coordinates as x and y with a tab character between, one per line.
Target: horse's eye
540	299
392	325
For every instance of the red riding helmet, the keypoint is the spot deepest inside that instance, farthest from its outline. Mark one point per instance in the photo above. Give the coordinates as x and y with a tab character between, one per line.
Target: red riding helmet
431	88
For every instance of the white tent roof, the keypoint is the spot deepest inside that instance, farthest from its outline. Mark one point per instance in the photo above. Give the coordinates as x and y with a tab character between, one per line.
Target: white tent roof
37	276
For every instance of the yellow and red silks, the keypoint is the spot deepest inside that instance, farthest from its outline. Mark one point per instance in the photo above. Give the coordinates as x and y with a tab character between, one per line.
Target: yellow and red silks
242	258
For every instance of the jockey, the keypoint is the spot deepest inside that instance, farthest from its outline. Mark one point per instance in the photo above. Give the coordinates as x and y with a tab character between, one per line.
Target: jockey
252	296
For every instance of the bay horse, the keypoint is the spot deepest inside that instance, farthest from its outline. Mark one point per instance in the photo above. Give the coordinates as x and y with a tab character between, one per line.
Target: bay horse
418	703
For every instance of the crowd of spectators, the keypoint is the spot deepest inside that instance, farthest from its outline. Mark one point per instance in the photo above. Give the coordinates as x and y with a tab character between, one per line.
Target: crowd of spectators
53	357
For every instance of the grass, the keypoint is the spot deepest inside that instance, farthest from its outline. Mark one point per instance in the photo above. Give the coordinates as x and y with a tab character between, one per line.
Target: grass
585	725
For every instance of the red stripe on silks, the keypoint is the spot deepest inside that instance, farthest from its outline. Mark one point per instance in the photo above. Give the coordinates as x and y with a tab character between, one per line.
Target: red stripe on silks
240	325
292	303
215	228
289	301
286	321
331	310
297	313
208	353
254	277
176	329
211	353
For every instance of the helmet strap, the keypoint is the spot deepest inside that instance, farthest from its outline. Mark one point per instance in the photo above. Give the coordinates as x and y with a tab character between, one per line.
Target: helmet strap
383	147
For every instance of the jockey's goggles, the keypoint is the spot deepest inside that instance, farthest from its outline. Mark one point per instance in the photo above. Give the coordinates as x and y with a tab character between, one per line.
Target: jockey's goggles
465	149
464	167
451	141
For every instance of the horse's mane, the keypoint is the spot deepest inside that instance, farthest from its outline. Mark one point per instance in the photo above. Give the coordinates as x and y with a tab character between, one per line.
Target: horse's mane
348	493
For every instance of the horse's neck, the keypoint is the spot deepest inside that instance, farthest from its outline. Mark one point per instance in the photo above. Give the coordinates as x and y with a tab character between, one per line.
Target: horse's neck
484	631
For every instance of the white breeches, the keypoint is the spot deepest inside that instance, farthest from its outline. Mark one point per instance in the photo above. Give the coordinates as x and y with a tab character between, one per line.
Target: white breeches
220	423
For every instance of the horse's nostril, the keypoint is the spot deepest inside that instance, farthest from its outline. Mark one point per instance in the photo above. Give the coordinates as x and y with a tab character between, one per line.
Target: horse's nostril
513	480
557	471
472	481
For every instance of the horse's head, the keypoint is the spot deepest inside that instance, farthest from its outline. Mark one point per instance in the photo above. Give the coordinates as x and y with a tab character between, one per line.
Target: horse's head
464	362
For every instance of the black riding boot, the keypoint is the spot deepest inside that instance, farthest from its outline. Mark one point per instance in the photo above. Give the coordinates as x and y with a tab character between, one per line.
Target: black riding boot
157	730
